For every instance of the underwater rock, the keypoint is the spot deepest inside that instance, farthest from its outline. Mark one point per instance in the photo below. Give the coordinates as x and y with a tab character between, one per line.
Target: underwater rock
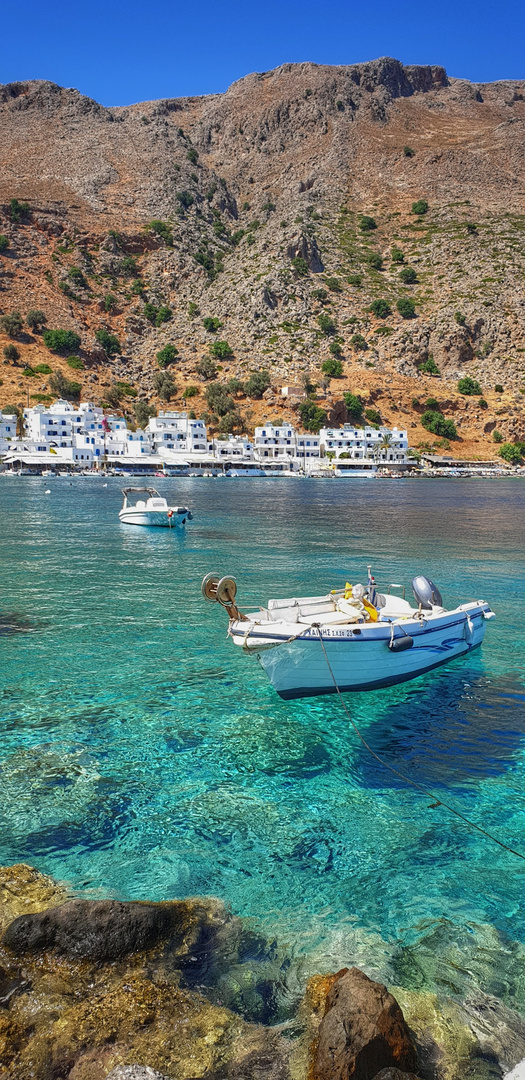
94	929
135	1072
394	1074
11	983
24	890
362	1031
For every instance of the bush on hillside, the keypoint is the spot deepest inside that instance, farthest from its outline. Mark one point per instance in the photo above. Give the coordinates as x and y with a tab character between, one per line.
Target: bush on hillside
73	362
375	261
326	323
167	355
312	417
511	453
438	424
4	243
163	231
469	386
406	307
367	223
333	368
212	324
108	342
257	383
397	255
12	323
164	384
221	350
63	387
35	319
429	367
420	207
11	353
354	406
218	399
358	342
408	275
206	368
61	341
143	411
381	309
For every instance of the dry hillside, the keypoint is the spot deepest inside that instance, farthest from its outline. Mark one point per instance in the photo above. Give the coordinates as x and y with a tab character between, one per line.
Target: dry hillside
261	193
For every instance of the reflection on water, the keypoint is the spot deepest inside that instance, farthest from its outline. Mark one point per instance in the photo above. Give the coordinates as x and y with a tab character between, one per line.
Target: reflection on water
143	754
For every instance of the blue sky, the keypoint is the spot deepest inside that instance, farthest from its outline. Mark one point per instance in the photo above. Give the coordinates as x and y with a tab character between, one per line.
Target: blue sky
122	52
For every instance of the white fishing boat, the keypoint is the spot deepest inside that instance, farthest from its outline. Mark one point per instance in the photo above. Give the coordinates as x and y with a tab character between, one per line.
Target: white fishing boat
154	510
355	638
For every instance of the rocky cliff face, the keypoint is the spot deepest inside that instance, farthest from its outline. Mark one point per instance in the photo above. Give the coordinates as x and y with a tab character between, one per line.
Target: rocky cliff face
265	192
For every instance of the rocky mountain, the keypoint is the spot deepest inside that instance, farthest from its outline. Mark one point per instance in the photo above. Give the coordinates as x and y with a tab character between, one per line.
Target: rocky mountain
372	214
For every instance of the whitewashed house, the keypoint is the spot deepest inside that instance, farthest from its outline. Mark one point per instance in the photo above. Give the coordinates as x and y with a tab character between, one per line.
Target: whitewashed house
175	431
381	444
7	431
283	443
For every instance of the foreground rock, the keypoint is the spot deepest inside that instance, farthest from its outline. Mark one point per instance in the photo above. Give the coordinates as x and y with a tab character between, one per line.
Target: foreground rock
98	929
362	1032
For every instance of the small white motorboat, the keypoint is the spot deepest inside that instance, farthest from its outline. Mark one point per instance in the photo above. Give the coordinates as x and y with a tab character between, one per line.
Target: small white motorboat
154	510
354	638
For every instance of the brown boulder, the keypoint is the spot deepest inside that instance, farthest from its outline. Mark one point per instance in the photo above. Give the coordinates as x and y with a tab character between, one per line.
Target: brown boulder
99	929
362	1031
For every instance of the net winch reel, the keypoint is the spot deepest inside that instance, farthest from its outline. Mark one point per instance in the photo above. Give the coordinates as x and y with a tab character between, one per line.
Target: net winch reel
221	590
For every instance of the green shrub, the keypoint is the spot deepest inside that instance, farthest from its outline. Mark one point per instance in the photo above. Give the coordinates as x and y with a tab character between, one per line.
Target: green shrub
18	210
218	399
76	276
320	294
433	403
206	368
204	259
64	387
438	424
482	403
333	368
497	436
11	353
108	342
124	389
67	290
230	422
354	406
221	349
300	266
406	307
212	324
73	362
469	386
192	155
164	384
373	416
335	348
167	355
61	341
334	284
326	323
358	342
416	404
4	243
408	151
235	386
150	311
257	383
245	206
190	391
193	309
498	388
237	236
12	323
312	417
35	319
129	267
408	275
366	223
420	207
110	302
143	412
459	318
397	255
161	229
163	315
375	261
511	453
354	279
268	206
471	228
381	309
138	288
430	367
28	372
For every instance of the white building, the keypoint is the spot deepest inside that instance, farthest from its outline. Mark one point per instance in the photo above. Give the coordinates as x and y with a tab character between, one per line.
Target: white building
175	431
234	448
282	442
381	444
7	431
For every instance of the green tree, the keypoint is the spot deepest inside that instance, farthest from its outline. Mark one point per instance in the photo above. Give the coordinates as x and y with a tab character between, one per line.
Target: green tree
193	309
190	391
320	294
163	231
335	348
408	151
408	275
235	386
192	155
64	388
163	315
257	383
11	353
354	406
511	453
375	261
221	350
333	368
326	323
300	266
406	307
12	323
469	386
164	384
129	266
429	367
312	417
61	341
4	243
218	399
167	355
354	279
381	309
18	210
498	388
212	324
76	276
334	284
143	411
373	416
230	423
367	223
438	424
108	342
497	436
420	207
358	342
35	319
206	368
110	302
397	255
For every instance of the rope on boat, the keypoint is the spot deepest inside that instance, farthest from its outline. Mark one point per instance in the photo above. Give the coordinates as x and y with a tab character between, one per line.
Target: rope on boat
413	783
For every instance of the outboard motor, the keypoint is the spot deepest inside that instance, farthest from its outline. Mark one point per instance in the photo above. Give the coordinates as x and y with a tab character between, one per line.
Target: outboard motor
426	593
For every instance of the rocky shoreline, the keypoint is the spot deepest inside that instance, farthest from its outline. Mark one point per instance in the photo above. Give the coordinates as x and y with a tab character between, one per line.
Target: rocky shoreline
180	990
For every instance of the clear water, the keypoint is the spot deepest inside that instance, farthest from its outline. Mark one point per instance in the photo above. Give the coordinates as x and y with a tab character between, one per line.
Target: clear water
143	756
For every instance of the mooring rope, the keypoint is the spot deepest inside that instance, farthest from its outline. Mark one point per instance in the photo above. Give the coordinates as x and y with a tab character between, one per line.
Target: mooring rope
413	783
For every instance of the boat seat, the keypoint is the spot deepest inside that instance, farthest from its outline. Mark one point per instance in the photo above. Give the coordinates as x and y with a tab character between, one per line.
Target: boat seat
330	618
140	505
395	607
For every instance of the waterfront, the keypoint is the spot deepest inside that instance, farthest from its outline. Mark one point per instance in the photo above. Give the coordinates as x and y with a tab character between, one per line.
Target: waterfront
143	757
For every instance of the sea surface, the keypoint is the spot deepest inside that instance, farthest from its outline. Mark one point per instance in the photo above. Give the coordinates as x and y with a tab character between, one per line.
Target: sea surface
143	756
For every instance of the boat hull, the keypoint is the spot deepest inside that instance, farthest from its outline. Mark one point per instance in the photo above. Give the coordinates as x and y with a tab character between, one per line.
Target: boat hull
364	661
156	518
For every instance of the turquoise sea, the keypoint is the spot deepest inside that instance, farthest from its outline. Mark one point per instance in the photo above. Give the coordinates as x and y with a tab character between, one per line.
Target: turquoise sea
143	756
